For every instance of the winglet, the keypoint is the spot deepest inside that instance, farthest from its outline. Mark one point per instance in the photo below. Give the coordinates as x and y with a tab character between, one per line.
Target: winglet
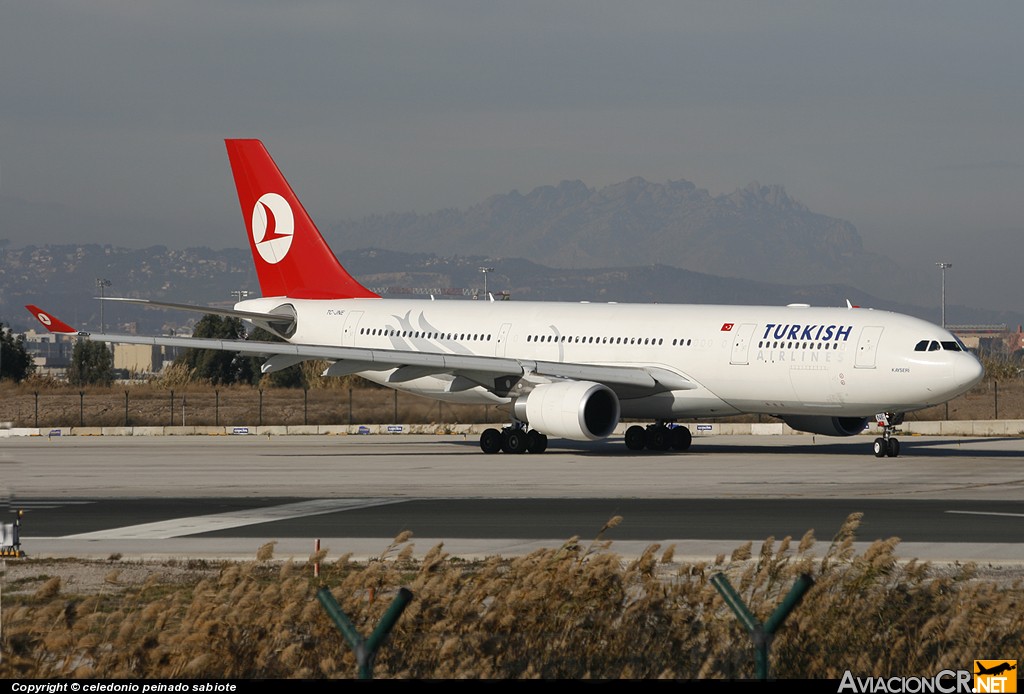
50	321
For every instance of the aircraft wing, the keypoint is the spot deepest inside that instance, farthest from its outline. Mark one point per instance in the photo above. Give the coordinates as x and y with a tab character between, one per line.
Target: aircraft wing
479	370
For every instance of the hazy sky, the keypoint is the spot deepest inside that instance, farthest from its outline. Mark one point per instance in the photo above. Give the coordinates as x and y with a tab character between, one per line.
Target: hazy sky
902	117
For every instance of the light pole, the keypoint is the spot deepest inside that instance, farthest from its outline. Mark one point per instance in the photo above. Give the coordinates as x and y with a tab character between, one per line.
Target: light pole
240	294
943	266
101	283
484	270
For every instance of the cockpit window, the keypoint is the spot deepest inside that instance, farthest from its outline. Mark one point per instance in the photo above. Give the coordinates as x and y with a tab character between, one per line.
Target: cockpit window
921	346
951	346
933	346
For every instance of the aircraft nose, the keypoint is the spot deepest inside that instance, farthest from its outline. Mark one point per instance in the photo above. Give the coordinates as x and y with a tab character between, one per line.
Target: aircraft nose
968	371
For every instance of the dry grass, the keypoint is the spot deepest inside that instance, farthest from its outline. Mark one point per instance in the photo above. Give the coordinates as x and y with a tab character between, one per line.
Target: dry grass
577	611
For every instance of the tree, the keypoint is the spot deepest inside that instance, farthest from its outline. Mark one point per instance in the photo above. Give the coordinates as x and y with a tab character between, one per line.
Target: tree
218	367
15	361
291	377
92	363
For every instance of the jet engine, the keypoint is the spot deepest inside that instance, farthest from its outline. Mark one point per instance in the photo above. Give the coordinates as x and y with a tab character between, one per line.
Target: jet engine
576	410
828	426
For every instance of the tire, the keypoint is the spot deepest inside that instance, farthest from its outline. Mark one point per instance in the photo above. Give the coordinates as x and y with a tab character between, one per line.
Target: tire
490	441
881	447
894	448
513	441
681	438
659	438
536	442
636	438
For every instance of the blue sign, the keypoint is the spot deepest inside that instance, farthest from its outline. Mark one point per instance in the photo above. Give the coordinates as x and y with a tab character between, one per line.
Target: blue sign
703	427
54	432
363	430
394	428
240	430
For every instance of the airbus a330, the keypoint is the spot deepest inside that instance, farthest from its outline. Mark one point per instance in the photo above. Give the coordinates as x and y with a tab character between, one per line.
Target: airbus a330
575	370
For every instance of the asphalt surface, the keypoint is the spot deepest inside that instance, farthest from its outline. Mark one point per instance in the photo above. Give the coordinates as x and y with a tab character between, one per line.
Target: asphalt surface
946	499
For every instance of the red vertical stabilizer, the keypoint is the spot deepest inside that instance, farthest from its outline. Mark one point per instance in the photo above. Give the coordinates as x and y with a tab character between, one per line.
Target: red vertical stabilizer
292	259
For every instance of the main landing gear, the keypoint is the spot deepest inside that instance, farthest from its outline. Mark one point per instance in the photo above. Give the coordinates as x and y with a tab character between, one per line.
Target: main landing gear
886	445
513	439
658	437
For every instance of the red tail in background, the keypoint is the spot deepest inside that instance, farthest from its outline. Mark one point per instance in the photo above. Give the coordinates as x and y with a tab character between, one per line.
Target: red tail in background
292	259
50	321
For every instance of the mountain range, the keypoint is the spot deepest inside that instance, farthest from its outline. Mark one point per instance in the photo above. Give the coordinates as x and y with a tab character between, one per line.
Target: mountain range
634	241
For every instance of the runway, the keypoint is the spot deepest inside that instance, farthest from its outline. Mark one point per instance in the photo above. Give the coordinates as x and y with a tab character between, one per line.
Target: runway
947	499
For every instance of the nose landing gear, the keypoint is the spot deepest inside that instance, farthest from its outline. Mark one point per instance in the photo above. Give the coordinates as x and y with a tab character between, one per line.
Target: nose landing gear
886	445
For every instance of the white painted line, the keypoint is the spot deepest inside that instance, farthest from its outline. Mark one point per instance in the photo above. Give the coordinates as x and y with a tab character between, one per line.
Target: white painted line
988	513
234	519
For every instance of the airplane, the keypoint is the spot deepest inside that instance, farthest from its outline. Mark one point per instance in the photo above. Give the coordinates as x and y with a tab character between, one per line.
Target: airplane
574	370
995	669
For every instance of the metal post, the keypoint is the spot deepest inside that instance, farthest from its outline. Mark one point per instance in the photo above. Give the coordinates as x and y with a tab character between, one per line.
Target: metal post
126	408
36	393
216	408
305	406
261	407
365	650
396	407
995	396
170	409
101	283
944	267
350	407
761	634
81	408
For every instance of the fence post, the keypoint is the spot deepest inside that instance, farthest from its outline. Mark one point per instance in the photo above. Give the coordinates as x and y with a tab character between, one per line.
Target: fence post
261	407
170	410
81	408
36	393
305	406
216	408
126	408
396	406
995	396
350	406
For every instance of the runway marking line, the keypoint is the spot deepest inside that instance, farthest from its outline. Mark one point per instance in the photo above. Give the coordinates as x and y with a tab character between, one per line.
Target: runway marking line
179	527
988	513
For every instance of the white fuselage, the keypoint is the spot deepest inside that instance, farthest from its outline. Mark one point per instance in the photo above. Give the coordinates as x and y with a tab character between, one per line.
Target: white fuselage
793	360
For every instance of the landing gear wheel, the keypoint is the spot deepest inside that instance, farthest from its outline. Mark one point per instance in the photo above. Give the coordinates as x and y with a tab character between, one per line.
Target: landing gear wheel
894	448
490	441
881	447
658	438
536	442
681	438
513	441
636	438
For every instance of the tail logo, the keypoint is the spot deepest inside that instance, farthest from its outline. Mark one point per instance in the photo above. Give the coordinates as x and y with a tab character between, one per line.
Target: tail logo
44	319
273	226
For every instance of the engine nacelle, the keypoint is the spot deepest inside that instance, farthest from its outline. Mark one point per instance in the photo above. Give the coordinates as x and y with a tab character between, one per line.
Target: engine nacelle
577	410
827	426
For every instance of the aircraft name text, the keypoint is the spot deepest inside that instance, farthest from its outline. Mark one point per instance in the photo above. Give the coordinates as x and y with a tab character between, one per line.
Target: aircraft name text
795	331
